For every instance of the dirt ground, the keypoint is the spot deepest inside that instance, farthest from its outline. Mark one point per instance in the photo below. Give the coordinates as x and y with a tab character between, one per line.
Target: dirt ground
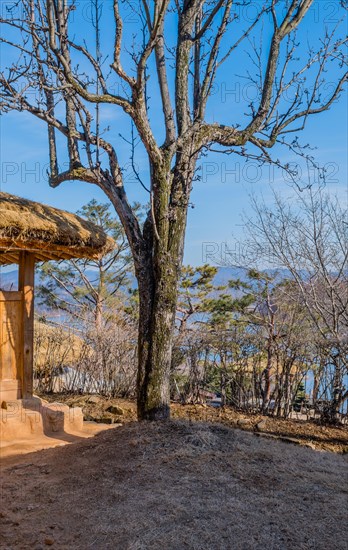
310	434
175	485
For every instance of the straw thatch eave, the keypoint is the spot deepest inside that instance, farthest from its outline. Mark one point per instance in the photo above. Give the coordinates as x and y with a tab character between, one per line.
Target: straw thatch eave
46	232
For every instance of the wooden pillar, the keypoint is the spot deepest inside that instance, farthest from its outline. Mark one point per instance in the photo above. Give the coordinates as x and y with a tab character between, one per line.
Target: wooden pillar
26	285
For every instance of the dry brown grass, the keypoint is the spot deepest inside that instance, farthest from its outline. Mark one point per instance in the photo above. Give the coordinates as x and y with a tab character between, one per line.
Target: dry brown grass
172	486
307	433
314	435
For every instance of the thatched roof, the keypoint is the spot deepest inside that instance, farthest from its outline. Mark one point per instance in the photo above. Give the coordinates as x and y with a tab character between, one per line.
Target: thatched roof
49	233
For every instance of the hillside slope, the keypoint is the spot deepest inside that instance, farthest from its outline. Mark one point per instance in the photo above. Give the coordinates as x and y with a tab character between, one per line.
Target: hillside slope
176	485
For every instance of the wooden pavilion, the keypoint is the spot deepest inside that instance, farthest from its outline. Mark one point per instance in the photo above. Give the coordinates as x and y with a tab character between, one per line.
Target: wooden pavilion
31	232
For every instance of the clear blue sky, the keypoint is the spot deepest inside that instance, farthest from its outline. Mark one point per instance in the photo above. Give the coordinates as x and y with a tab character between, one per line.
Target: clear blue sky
222	193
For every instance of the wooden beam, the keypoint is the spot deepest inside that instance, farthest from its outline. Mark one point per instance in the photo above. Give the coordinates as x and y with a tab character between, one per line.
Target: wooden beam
13	295
8	258
44	257
26	285
63	251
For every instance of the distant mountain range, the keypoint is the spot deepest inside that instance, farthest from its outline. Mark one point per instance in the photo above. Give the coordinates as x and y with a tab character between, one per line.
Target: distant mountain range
8	279
225	274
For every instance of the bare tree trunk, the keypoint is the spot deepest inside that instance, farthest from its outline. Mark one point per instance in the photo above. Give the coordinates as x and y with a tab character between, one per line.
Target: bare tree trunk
154	349
98	313
315	391
193	385
331	414
223	383
156	324
158	275
266	393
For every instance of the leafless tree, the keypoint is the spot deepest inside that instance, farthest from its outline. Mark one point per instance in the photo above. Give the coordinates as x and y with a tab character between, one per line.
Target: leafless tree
310	240
78	359
181	45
